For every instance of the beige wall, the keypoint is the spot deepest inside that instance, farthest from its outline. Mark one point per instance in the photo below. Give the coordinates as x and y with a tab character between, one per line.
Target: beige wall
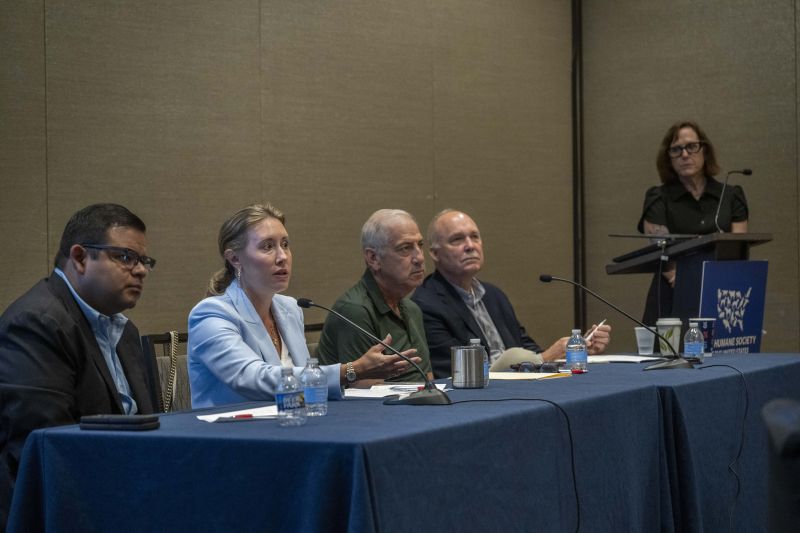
185	111
730	65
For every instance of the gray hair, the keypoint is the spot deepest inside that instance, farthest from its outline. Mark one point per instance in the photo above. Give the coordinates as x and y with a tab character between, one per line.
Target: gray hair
375	232
433	235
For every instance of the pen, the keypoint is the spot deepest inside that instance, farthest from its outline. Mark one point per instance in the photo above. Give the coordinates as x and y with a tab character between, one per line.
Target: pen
244	418
406	388
591	334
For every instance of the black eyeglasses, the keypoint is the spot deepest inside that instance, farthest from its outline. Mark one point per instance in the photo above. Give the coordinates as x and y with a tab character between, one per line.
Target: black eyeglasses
527	366
691	148
124	256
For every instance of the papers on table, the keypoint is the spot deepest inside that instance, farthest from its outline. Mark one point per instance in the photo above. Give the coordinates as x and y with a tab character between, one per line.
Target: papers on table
614	358
258	413
621	358
381	391
527	375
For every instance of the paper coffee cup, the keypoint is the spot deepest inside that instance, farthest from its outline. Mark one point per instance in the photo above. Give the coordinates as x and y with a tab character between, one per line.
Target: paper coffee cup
670	329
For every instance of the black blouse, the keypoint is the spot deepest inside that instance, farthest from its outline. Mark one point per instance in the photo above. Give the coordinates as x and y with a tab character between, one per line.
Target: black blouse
673	206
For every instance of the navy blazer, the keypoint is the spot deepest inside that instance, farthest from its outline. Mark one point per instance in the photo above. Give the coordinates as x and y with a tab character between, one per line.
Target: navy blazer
449	322
52	372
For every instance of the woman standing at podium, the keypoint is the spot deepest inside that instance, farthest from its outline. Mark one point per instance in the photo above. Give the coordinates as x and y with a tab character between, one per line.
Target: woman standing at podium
686	203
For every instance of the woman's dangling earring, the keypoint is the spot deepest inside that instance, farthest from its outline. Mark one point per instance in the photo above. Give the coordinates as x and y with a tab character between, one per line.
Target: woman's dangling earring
239	275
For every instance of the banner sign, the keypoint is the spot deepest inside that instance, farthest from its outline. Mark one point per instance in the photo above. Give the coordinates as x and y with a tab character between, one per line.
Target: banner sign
734	293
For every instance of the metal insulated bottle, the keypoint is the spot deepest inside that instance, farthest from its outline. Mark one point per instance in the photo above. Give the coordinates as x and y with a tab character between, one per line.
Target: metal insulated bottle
466	363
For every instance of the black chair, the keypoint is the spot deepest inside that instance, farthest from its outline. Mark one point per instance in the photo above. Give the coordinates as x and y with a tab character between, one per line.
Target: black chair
782	418
173	371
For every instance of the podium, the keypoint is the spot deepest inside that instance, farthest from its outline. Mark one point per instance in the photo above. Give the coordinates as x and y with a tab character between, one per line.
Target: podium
689	255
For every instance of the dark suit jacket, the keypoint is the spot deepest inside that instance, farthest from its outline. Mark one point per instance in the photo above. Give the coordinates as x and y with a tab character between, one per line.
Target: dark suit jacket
52	372
449	322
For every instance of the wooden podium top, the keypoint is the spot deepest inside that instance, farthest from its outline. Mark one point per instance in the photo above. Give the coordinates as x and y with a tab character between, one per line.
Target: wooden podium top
727	246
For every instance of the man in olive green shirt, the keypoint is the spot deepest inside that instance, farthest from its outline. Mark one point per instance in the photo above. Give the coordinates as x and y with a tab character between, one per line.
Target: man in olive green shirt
392	246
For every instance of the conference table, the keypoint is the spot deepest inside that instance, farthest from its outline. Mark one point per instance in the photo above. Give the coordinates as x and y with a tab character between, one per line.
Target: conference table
615	449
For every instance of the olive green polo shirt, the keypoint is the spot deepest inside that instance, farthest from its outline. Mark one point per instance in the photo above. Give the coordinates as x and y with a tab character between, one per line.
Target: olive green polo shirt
364	304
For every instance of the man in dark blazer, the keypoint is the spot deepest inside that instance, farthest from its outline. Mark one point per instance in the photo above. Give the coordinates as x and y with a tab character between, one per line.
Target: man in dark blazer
65	348
457	307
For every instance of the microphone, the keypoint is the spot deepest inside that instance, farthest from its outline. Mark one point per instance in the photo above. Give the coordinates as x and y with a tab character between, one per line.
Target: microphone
744	172
676	361
430	395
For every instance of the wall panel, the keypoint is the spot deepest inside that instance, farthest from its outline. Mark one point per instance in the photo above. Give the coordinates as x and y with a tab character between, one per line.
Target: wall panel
503	145
346	96
23	200
156	106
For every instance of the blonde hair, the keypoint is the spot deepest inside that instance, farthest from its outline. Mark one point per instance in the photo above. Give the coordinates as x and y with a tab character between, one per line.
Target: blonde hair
233	236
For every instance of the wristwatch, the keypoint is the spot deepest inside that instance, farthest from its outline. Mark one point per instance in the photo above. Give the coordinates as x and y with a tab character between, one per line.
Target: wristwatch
351	374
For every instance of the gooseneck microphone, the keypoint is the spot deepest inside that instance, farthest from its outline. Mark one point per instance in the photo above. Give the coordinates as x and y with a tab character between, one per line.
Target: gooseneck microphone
676	361
744	172
430	395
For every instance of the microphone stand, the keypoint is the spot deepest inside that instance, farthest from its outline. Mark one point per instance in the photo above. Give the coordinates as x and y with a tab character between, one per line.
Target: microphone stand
430	395
676	361
744	172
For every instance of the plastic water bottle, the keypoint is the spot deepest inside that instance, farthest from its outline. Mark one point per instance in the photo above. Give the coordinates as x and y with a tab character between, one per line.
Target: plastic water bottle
289	398
315	388
693	343
477	344
577	357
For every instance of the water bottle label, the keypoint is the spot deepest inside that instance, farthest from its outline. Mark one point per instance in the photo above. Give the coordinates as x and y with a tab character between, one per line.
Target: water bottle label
288	401
693	348
576	356
316	394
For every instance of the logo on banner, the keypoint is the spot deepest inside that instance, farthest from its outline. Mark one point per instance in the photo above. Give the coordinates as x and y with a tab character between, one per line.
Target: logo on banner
733	292
731	306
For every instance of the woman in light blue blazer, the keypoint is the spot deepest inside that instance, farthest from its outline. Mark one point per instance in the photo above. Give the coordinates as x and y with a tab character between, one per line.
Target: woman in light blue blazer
241	335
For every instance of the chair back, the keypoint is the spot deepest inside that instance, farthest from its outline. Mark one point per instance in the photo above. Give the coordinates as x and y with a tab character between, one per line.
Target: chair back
782	418
173	370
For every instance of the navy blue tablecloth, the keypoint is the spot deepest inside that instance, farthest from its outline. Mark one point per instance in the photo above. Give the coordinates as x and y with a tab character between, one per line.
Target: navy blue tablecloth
651	452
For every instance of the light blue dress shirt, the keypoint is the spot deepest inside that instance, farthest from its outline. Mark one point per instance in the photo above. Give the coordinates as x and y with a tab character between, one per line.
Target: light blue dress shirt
474	302
231	356
108	331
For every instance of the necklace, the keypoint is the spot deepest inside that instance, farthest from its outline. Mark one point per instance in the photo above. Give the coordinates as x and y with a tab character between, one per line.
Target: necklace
276	339
273	332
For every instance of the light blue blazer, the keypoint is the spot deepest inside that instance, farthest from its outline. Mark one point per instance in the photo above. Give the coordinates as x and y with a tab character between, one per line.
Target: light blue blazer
231	356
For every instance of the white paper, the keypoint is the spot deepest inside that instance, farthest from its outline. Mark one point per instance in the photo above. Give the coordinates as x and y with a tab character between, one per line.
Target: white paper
526	375
381	391
612	358
269	410
621	358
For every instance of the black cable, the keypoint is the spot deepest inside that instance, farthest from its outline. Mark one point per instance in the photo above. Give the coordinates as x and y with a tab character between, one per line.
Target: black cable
741	442
571	444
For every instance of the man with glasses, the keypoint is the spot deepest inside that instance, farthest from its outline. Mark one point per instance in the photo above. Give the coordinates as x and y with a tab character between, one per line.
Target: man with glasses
65	348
